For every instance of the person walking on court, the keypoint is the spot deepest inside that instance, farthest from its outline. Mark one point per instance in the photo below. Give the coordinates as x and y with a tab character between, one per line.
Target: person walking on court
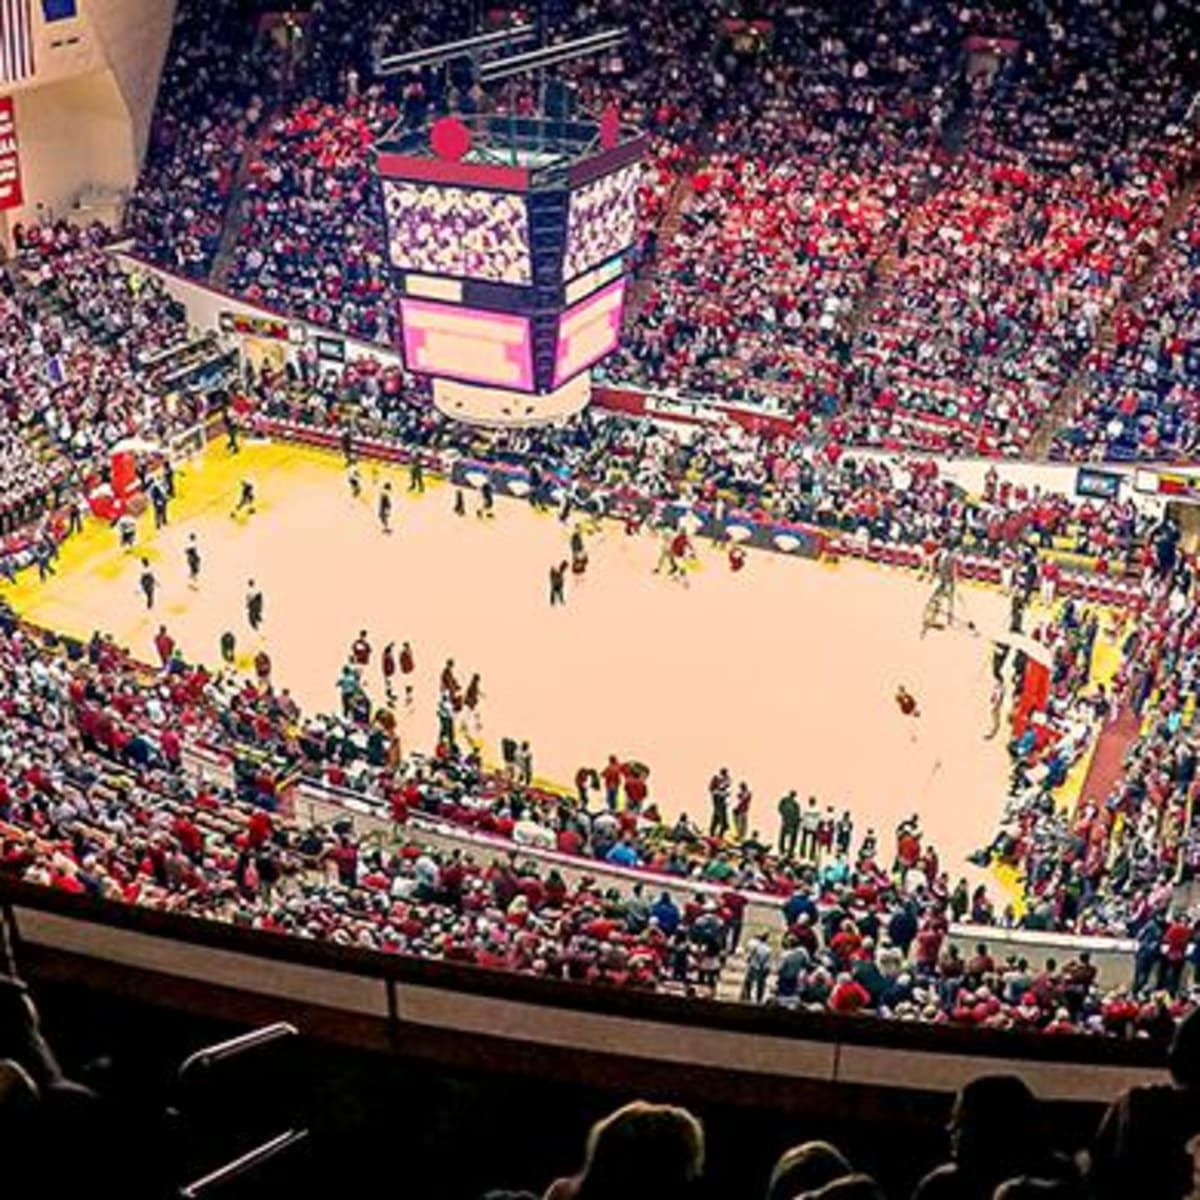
385	508
460	503
355	483
347	440
149	584
254	605
192	555
228	647
416	474
558	579
231	430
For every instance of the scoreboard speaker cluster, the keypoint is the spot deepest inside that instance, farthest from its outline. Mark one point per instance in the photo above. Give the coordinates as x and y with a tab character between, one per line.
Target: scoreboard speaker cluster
509	242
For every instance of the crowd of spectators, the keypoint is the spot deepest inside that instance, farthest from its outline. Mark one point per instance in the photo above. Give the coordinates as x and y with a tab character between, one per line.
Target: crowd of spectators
222	70
1142	388
922	221
93	801
863	498
87	329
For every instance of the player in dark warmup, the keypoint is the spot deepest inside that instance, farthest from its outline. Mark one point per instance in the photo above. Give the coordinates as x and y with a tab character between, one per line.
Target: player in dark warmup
192	555
385	508
254	605
460	503
579	557
416	475
245	499
487	500
148	583
558	579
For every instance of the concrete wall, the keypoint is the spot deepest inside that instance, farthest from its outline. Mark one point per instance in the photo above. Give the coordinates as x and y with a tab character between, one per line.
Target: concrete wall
73	134
134	36
83	120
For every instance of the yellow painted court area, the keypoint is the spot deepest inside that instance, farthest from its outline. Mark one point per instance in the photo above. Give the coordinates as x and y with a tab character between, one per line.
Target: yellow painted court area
784	672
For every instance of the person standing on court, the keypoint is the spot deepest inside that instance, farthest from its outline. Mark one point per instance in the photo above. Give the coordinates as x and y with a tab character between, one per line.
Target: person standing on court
718	795
789	824
810	826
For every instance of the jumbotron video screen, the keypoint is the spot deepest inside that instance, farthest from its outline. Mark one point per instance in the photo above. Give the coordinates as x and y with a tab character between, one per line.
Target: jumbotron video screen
602	220
459	232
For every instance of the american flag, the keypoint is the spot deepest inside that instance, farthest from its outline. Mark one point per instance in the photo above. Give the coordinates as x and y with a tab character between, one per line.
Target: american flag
16	40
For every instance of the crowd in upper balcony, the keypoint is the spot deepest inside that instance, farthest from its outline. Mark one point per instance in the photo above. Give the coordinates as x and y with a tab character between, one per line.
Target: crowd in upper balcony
930	220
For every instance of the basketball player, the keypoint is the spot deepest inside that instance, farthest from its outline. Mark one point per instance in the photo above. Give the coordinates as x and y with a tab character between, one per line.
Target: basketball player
558	579
355	483
192	555
579	558
680	549
388	666
254	605
907	704
385	508
664	549
148	583
487	501
360	650
245	499
407	665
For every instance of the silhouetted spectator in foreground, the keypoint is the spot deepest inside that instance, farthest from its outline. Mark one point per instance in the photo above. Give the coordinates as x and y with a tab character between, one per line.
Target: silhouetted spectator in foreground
1144	1134
806	1167
849	1187
640	1152
995	1135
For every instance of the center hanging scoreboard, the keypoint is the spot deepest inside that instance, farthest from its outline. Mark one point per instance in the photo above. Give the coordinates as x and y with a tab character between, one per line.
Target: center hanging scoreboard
509	242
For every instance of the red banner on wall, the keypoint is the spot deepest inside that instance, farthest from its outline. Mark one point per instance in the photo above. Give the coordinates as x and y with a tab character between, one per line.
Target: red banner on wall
10	158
